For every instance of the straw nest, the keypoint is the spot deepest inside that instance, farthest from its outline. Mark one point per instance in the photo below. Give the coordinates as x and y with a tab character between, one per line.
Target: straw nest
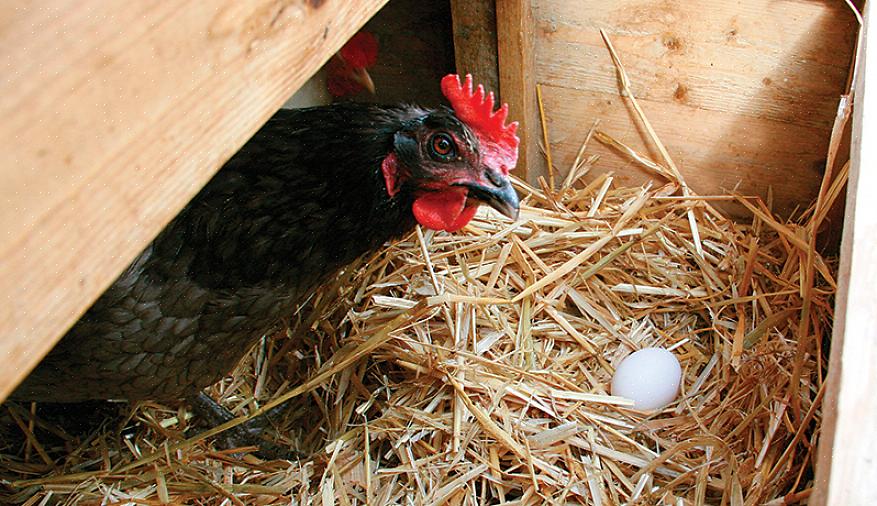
492	351
473	368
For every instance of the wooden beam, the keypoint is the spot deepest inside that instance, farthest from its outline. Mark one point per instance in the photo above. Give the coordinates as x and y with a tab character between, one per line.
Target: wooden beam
517	80
114	116
475	42
846	465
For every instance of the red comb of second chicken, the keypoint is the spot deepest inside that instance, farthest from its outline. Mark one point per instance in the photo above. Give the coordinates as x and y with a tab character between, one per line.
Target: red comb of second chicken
499	144
361	50
347	72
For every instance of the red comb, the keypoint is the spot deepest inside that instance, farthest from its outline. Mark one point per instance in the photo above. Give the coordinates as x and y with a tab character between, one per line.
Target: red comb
499	144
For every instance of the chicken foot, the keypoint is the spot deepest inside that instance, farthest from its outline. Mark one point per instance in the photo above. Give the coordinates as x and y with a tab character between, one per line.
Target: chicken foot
248	433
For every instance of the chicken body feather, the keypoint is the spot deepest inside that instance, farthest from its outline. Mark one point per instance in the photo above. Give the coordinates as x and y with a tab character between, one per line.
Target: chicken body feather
304	197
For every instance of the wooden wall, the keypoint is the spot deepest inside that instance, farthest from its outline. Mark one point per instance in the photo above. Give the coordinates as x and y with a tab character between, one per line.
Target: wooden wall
743	94
846	467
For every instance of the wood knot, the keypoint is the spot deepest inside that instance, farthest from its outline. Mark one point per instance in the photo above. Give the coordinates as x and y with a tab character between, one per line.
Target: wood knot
681	93
672	42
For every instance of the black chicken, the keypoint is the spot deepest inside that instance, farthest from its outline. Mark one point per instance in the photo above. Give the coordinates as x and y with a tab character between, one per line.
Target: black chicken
313	190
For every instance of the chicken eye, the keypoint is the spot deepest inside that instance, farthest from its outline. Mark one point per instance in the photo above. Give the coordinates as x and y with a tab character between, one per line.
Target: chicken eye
441	147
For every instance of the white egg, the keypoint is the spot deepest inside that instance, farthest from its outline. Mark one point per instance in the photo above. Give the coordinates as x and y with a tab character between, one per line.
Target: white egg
650	377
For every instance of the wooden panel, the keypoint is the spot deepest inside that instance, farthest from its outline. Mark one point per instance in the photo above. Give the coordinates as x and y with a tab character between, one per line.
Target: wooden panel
114	115
846	467
756	83
517	80
791	165
475	40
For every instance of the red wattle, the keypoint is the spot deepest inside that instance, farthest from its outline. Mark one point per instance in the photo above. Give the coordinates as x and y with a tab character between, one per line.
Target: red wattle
444	210
465	217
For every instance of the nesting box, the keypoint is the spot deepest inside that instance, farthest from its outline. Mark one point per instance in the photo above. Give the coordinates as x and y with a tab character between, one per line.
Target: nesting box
749	98
724	100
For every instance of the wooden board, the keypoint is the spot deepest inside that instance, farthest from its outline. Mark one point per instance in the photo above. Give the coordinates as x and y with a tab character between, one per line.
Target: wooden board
114	115
847	467
475	41
517	80
742	93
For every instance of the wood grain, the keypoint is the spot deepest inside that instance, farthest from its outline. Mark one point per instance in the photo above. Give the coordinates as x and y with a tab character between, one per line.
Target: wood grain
846	465
115	114
475	41
792	166
517	80
756	83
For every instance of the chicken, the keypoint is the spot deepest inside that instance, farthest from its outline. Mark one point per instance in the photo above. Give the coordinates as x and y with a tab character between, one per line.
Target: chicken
312	191
344	75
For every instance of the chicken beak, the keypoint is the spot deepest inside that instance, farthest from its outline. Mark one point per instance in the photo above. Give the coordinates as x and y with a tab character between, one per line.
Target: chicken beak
360	75
503	198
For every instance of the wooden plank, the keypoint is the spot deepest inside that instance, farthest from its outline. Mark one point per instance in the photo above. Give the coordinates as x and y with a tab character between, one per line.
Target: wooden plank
791	165
475	42
517	80
114	115
767	75
846	465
